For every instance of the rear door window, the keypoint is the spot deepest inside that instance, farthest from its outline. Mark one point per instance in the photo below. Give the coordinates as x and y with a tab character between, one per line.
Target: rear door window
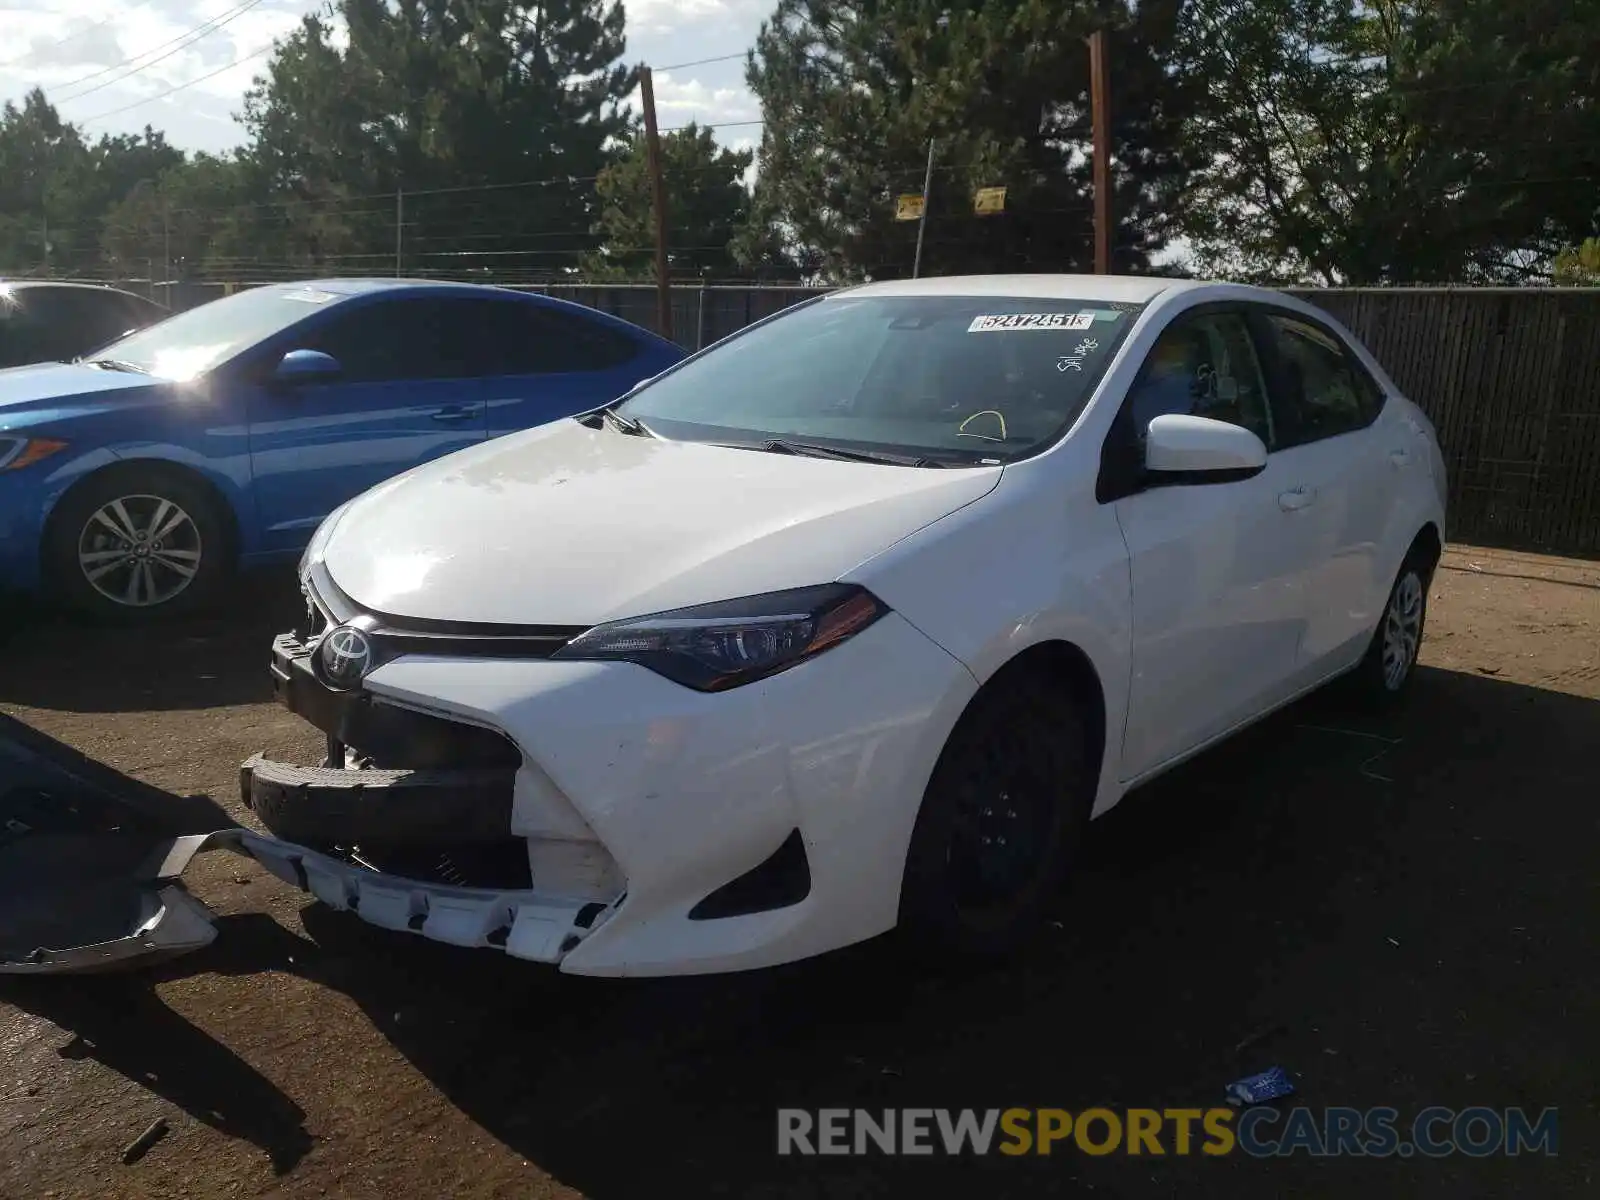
1322	389
524	338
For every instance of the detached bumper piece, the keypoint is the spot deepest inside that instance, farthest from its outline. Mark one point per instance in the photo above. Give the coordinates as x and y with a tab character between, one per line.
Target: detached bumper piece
90	862
69	910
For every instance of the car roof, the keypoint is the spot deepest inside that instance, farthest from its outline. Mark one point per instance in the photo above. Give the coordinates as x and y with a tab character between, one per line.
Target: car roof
1126	289
348	288
27	285
360	285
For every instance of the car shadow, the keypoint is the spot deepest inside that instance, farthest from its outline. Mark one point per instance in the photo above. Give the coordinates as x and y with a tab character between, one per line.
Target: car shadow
1326	891
1398	911
120	1022
59	661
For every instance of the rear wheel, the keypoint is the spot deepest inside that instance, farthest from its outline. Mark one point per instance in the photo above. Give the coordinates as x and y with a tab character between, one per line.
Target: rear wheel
137	544
1002	816
1385	674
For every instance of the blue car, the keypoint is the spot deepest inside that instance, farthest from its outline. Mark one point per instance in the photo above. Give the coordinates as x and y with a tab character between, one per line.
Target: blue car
132	483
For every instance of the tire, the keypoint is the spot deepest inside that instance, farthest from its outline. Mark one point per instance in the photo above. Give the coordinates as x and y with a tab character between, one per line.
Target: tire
131	511
1022	740
1386	671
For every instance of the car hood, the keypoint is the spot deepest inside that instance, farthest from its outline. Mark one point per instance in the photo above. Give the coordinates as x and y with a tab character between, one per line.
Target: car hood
46	385
566	525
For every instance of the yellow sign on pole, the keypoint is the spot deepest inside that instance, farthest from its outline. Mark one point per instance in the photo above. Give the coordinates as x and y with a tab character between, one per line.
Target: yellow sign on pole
908	208
988	201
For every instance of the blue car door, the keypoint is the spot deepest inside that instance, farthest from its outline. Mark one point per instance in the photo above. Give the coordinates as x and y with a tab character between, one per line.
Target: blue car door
409	390
553	361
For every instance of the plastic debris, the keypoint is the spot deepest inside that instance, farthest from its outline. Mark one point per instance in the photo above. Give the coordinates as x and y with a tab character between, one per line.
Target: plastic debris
1258	1089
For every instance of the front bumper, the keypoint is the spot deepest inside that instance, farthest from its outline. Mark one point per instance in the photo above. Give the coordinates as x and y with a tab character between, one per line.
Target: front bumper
695	832
22	505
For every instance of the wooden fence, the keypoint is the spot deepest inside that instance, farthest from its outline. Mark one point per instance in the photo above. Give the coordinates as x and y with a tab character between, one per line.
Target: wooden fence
1511	378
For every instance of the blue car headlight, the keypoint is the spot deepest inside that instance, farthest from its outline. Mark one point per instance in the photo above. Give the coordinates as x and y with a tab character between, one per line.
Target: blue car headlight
713	647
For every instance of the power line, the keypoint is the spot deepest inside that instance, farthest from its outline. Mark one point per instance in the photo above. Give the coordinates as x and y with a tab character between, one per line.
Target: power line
718	125
700	62
181	42
179	87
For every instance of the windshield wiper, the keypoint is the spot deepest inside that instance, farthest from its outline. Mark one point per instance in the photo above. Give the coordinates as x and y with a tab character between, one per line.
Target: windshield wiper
813	450
118	364
631	426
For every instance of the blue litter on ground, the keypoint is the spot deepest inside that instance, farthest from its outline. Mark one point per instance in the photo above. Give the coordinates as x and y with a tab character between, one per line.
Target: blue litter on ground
1257	1089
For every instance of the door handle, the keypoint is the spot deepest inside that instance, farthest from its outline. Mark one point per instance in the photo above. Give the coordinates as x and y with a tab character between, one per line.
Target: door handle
1400	458
454	414
1297	499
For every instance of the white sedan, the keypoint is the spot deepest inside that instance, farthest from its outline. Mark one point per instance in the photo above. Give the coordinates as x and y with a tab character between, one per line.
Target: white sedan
849	622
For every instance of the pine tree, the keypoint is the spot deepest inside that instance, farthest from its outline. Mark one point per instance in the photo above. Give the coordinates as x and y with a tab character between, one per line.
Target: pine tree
435	97
852	91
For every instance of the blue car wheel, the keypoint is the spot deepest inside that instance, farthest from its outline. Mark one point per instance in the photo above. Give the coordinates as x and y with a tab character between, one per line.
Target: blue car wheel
138	543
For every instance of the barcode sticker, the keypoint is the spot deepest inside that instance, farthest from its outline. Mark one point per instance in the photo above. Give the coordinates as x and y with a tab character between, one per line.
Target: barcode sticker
1005	322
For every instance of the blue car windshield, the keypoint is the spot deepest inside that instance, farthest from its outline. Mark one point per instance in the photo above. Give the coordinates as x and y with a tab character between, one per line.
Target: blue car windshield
196	340
955	379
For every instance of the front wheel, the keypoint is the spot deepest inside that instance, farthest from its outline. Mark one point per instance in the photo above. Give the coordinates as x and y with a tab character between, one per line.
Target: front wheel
1000	821
137	544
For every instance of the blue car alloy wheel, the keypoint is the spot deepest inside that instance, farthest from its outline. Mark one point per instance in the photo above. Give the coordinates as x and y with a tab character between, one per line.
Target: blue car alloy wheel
138	542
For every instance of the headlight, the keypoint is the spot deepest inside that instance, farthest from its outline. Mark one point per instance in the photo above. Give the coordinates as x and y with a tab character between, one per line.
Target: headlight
319	540
19	452
713	647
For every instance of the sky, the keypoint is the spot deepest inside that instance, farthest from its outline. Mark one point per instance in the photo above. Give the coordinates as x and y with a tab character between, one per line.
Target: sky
67	47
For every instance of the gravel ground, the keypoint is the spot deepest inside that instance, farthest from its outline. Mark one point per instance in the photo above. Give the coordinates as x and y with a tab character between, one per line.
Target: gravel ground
1401	922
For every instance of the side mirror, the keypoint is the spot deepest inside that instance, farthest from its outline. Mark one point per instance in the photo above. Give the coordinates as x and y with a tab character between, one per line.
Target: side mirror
306	366
1185	449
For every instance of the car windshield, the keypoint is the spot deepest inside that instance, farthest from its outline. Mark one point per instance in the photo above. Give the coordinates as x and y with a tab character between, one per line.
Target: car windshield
194	341
946	379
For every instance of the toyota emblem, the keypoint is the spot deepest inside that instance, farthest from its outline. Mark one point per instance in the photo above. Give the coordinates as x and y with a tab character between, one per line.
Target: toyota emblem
345	656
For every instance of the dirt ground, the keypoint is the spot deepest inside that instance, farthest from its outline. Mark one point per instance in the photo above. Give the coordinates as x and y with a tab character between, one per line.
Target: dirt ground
1402	912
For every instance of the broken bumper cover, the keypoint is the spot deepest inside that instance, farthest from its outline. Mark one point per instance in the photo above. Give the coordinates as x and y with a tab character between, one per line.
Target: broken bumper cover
91	867
160	920
524	924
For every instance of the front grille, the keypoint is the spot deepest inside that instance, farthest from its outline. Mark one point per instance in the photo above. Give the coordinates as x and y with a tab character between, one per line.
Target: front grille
393	636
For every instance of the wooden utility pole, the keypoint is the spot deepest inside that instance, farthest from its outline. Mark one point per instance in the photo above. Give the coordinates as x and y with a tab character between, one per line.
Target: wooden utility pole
399	229
1100	105
922	223
658	189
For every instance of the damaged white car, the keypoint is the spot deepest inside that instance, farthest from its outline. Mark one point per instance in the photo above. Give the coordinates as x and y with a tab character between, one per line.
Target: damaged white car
849	622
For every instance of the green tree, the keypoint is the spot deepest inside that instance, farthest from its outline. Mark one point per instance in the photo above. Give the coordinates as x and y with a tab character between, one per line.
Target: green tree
43	218
1386	141
707	208
196	216
436	97
852	91
1579	266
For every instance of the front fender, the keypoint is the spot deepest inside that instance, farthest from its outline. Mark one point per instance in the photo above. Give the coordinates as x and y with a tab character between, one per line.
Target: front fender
229	475
1033	562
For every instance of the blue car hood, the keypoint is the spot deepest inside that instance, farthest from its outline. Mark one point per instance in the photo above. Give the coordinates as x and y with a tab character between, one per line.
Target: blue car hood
46	385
